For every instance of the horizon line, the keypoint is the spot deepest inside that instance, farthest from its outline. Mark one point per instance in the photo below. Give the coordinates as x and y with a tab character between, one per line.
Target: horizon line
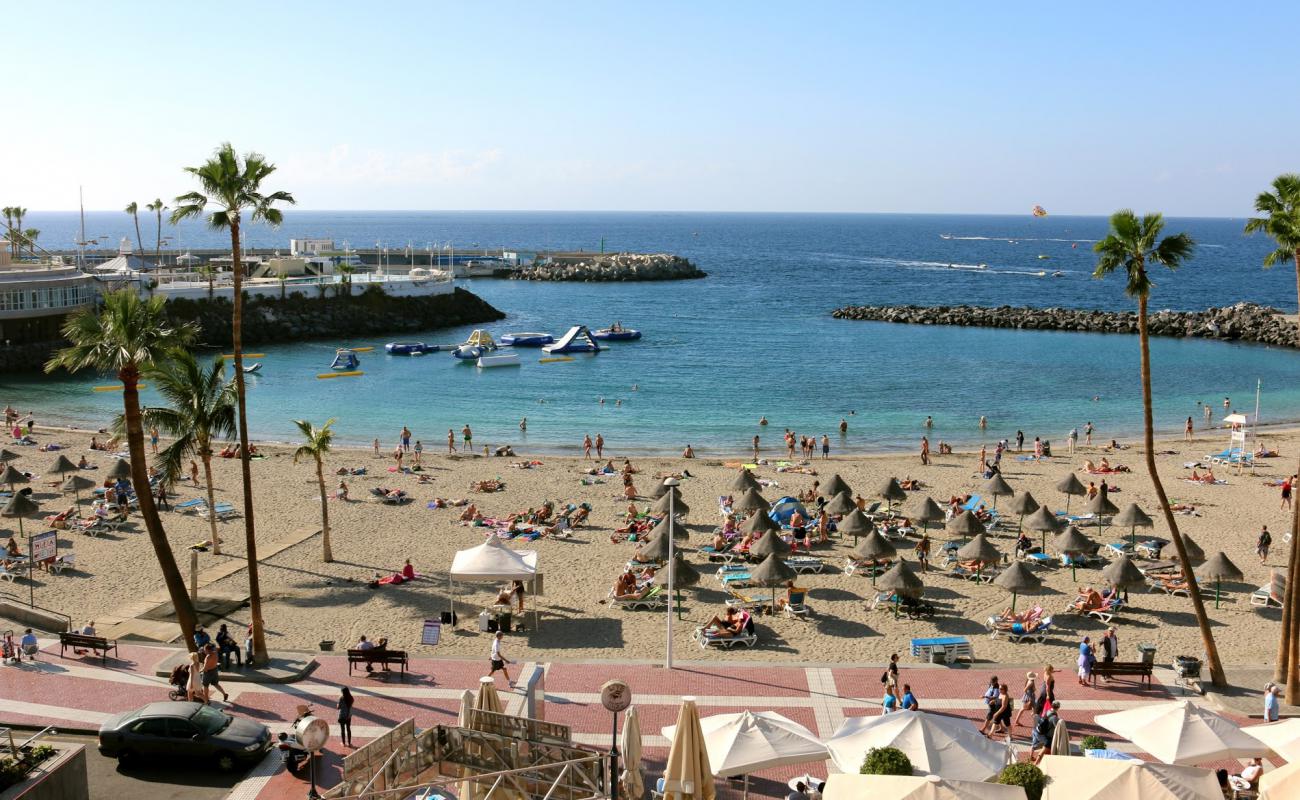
291	209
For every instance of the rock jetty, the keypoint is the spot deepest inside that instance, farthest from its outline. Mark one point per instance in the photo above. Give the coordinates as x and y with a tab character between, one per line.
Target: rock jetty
612	267
1245	322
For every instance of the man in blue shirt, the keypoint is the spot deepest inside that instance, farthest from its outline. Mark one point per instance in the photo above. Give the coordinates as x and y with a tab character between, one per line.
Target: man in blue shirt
909	699
1272	706
201	638
28	645
890	703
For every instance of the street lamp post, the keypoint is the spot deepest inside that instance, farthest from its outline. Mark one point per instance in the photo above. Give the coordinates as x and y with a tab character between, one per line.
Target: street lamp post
672	484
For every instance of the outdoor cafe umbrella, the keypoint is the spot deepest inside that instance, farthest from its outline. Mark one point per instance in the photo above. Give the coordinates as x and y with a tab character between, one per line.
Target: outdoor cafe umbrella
121	469
12	476
19	506
76	484
1133	518
903	581
925	512
1072	542
1044	521
678	505
744	481
62	465
1101	506
773	572
1182	732
840	504
856	524
936	744
769	543
682	573
1070	485
633	781
1022	504
1220	568
1122	573
853	786
1281	783
759	522
751	500
750	741
891	492
835	486
981	551
965	524
687	773
998	487
1018	579
874	547
1074	778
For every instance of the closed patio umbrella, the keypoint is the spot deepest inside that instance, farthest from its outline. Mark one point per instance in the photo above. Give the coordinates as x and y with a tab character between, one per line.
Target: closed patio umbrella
1018	579
1101	507
836	485
121	469
1022	504
12	477
998	487
773	572
751	500
1044	521
874	547
1122	573
744	481
891	492
769	543
965	524
633	781
1070	485
687	775
679	506
1219	568
841	504
856	524
1072	542
1132	518
980	550
925	511
759	522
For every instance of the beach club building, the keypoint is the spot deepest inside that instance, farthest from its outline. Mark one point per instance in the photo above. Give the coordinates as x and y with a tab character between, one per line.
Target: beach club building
36	298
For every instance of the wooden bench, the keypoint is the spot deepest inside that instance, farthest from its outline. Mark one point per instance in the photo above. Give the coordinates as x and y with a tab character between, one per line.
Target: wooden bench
385	658
1116	669
78	641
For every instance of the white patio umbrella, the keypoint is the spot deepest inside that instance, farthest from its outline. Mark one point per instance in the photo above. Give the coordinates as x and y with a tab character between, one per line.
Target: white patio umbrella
949	746
687	773
1281	784
1181	732
1074	778
633	782
739	744
1282	737
843	786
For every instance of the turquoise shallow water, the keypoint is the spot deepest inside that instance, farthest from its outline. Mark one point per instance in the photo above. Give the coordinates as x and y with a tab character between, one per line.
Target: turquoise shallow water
756	338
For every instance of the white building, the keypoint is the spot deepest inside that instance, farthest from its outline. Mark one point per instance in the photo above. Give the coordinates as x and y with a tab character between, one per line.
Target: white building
310	247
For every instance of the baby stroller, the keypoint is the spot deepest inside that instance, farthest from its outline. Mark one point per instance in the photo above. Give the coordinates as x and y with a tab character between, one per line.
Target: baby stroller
179	681
9	649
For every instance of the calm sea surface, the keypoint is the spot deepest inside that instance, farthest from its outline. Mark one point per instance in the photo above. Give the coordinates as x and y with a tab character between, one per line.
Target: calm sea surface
756	337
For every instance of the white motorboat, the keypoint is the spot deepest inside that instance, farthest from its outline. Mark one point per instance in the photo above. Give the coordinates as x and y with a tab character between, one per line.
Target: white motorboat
504	358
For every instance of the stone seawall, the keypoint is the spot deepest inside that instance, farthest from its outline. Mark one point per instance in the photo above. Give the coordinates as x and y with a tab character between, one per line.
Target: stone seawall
296	317
613	267
1244	322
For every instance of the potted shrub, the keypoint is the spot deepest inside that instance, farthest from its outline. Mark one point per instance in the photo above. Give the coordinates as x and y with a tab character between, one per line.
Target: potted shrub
886	761
1025	775
1092	742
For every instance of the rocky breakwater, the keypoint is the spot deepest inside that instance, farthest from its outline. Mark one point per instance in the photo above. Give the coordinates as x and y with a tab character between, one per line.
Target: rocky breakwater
1245	322
612	267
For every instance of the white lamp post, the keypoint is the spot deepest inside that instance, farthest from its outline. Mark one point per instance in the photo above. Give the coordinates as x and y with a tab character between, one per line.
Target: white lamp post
672	484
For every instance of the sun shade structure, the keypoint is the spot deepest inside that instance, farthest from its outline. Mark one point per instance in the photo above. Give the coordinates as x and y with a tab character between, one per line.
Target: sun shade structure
874	547
1044	521
1218	569
1281	784
843	786
739	744
836	485
925	511
679	506
11	477
770	543
78	484
891	492
493	562
1018	579
63	465
979	549
855	524
121	469
841	503
751	500
759	522
680	574
903	580
1132	518
1122	573
1074	778
667	525
773	572
1194	551
632	771
687	775
1181	732
1070	485
744	481
1022	504
936	744
661	490
1073	542
1101	507
998	487
1282	737
965	524
7	455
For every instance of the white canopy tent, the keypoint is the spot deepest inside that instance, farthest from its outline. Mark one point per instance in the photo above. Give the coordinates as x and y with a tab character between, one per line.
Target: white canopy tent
492	562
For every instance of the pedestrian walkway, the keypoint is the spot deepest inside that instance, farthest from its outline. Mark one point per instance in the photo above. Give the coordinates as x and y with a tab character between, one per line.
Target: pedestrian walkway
77	693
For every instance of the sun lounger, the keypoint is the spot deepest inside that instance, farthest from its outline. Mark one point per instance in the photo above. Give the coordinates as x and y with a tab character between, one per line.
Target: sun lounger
62	562
739	600
983	576
1108	611
882	600
853	566
1020	632
736	579
7	574
1117	549
190	506
223	511
747	638
796	606
656	598
1271	593
950	647
973	503
805	564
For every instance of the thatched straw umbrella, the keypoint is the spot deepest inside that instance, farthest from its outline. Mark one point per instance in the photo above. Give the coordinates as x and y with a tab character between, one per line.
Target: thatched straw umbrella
856	524
751	500
744	481
678	530
1133	518
874	547
981	551
840	504
891	492
62	466
759	522
1122	573
76	484
682	574
121	469
836	485
1101	507
965	525
1022	504
7	455
1071	543
998	487
1044	521
12	476
1018	579
770	543
773	572
18	507
678	505
925	511
1070	485
1194	551
1220	568
661	490
902	580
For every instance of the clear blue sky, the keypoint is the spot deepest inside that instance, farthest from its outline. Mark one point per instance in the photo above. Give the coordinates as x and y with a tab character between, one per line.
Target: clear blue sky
1189	108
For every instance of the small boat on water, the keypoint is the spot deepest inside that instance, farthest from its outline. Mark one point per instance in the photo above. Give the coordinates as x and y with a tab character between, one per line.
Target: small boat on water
617	334
406	348
577	340
1058	274
253	369
345	359
478	343
527	339
504	358
1042	257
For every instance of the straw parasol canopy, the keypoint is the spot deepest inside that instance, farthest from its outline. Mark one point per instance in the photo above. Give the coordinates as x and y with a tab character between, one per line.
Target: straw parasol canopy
660	490
665	525
836	485
12	476
1219	568
891	492
7	455
1072	540
20	506
1194	551
965	524
770	543
744	481
678	504
979	549
1101	505
773	572
759	522
121	469
62	465
1132	518
655	550
1044	521
687	773
77	484
684	573
1070	485
902	579
874	547
751	500
998	487
1122	573
1018	580
1024	503
855	524
841	503
925	511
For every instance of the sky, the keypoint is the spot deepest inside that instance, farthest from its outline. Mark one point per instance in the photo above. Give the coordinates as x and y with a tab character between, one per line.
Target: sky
941	107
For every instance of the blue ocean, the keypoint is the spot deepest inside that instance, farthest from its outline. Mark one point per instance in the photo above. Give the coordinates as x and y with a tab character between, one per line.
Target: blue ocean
756	337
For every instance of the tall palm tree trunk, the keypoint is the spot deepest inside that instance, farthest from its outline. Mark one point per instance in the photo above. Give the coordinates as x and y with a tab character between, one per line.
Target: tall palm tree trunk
1148	440
139	240
324	512
157	252
250	528
206	456
1288	654
144	496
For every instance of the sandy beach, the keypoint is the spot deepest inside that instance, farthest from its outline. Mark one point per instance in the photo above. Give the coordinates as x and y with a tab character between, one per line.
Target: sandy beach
307	601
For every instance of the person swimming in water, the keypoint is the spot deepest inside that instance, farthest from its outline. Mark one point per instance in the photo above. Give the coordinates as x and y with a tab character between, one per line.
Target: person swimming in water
762	420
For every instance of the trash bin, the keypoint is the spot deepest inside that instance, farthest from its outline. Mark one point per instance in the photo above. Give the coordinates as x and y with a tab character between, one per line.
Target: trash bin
1148	652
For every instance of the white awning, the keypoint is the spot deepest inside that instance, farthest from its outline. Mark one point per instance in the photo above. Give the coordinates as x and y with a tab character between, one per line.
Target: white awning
493	561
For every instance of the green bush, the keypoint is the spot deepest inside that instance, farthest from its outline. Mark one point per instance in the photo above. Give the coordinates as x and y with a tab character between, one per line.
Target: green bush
1092	743
886	761
1027	776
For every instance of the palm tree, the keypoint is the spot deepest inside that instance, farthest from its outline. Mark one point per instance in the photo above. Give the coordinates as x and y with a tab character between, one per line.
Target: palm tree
345	283
29	237
234	186
316	444
126	335
133	210
19	214
1281	221
210	272
157	207
200	409
1129	247
8	211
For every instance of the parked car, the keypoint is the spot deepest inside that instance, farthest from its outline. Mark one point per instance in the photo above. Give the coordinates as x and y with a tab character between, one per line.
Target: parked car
171	730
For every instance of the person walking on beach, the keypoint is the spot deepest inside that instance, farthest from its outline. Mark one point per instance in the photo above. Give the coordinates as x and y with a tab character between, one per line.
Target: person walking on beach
1020	441
600	446
826	447
1087	433
923	552
1187	429
376	446
162	497
1287	484
497	660
1073	439
1038	448
925	450
984	454
212	674
194	473
153	440
419	452
398	454
451	441
345	716
586	446
406	438
756	447
468	436
1262	544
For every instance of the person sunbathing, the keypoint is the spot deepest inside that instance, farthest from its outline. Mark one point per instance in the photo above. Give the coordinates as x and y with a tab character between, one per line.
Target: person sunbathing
729	527
641	558
912	484
625	586
342	492
1028	626
731	624
544	513
1088	599
1171	583
580	515
629	492
470	513
1088	466
983	514
1008	615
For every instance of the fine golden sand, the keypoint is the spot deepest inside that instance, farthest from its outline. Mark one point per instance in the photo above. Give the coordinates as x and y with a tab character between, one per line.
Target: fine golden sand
307	601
